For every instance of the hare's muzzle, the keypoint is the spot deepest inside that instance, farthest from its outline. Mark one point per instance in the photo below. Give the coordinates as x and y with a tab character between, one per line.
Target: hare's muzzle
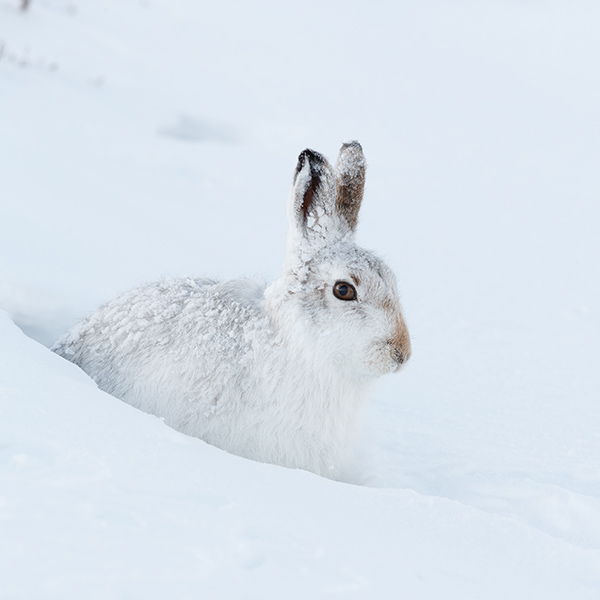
398	355
399	345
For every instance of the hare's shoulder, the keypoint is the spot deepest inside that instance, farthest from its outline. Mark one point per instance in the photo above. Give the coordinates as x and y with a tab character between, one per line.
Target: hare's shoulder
201	319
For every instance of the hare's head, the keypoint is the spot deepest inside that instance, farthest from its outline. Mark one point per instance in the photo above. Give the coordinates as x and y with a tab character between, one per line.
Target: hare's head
344	298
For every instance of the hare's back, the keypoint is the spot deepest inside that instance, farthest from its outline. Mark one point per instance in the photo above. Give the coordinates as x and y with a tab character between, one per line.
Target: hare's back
178	327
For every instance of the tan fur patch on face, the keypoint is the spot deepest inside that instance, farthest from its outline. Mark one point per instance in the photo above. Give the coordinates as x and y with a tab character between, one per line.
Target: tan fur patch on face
401	340
389	305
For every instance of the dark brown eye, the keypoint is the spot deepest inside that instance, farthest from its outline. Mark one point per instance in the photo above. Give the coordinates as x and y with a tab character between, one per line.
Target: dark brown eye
344	291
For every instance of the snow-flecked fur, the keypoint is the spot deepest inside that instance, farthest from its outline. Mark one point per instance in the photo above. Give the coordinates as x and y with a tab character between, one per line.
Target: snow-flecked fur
278	374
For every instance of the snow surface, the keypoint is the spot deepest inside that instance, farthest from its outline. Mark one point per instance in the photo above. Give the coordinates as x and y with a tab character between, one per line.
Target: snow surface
142	139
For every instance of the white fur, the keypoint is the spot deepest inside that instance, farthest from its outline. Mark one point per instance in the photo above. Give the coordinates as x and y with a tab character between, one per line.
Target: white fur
277	374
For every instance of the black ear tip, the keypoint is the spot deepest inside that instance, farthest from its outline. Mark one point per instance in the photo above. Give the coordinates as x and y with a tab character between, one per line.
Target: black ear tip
314	159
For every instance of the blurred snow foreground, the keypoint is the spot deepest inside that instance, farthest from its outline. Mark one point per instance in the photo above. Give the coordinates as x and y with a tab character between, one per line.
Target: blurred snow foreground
147	139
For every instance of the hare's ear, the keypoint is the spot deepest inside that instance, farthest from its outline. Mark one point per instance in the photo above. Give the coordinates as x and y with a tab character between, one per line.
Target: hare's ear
350	175
313	197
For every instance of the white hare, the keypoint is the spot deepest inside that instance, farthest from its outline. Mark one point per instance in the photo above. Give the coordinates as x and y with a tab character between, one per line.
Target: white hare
278	374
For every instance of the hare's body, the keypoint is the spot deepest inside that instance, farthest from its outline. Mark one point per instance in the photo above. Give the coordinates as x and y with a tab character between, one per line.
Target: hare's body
234	385
276	374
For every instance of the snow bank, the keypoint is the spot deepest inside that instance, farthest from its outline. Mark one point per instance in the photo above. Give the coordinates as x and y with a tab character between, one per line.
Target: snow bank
99	500
143	139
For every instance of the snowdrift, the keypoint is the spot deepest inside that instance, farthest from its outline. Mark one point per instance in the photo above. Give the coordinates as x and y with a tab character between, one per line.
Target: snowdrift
143	139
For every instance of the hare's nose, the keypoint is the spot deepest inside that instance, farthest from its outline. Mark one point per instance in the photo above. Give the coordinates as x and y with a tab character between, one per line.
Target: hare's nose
399	356
401	343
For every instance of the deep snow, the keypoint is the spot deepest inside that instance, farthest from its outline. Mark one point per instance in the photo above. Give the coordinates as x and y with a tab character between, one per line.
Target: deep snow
149	139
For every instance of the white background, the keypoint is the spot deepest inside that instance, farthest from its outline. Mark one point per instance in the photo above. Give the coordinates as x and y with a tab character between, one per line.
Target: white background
149	138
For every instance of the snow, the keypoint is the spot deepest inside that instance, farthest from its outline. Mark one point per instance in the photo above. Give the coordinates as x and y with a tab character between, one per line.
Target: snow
152	139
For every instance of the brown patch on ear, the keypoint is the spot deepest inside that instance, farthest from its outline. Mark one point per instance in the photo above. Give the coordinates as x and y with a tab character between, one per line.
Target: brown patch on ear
350	175
349	198
315	163
309	195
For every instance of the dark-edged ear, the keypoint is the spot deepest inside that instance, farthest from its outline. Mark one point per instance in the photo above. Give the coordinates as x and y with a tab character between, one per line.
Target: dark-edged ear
350	176
313	190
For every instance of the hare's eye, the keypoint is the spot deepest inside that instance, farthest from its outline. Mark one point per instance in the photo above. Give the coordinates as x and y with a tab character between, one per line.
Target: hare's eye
344	291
